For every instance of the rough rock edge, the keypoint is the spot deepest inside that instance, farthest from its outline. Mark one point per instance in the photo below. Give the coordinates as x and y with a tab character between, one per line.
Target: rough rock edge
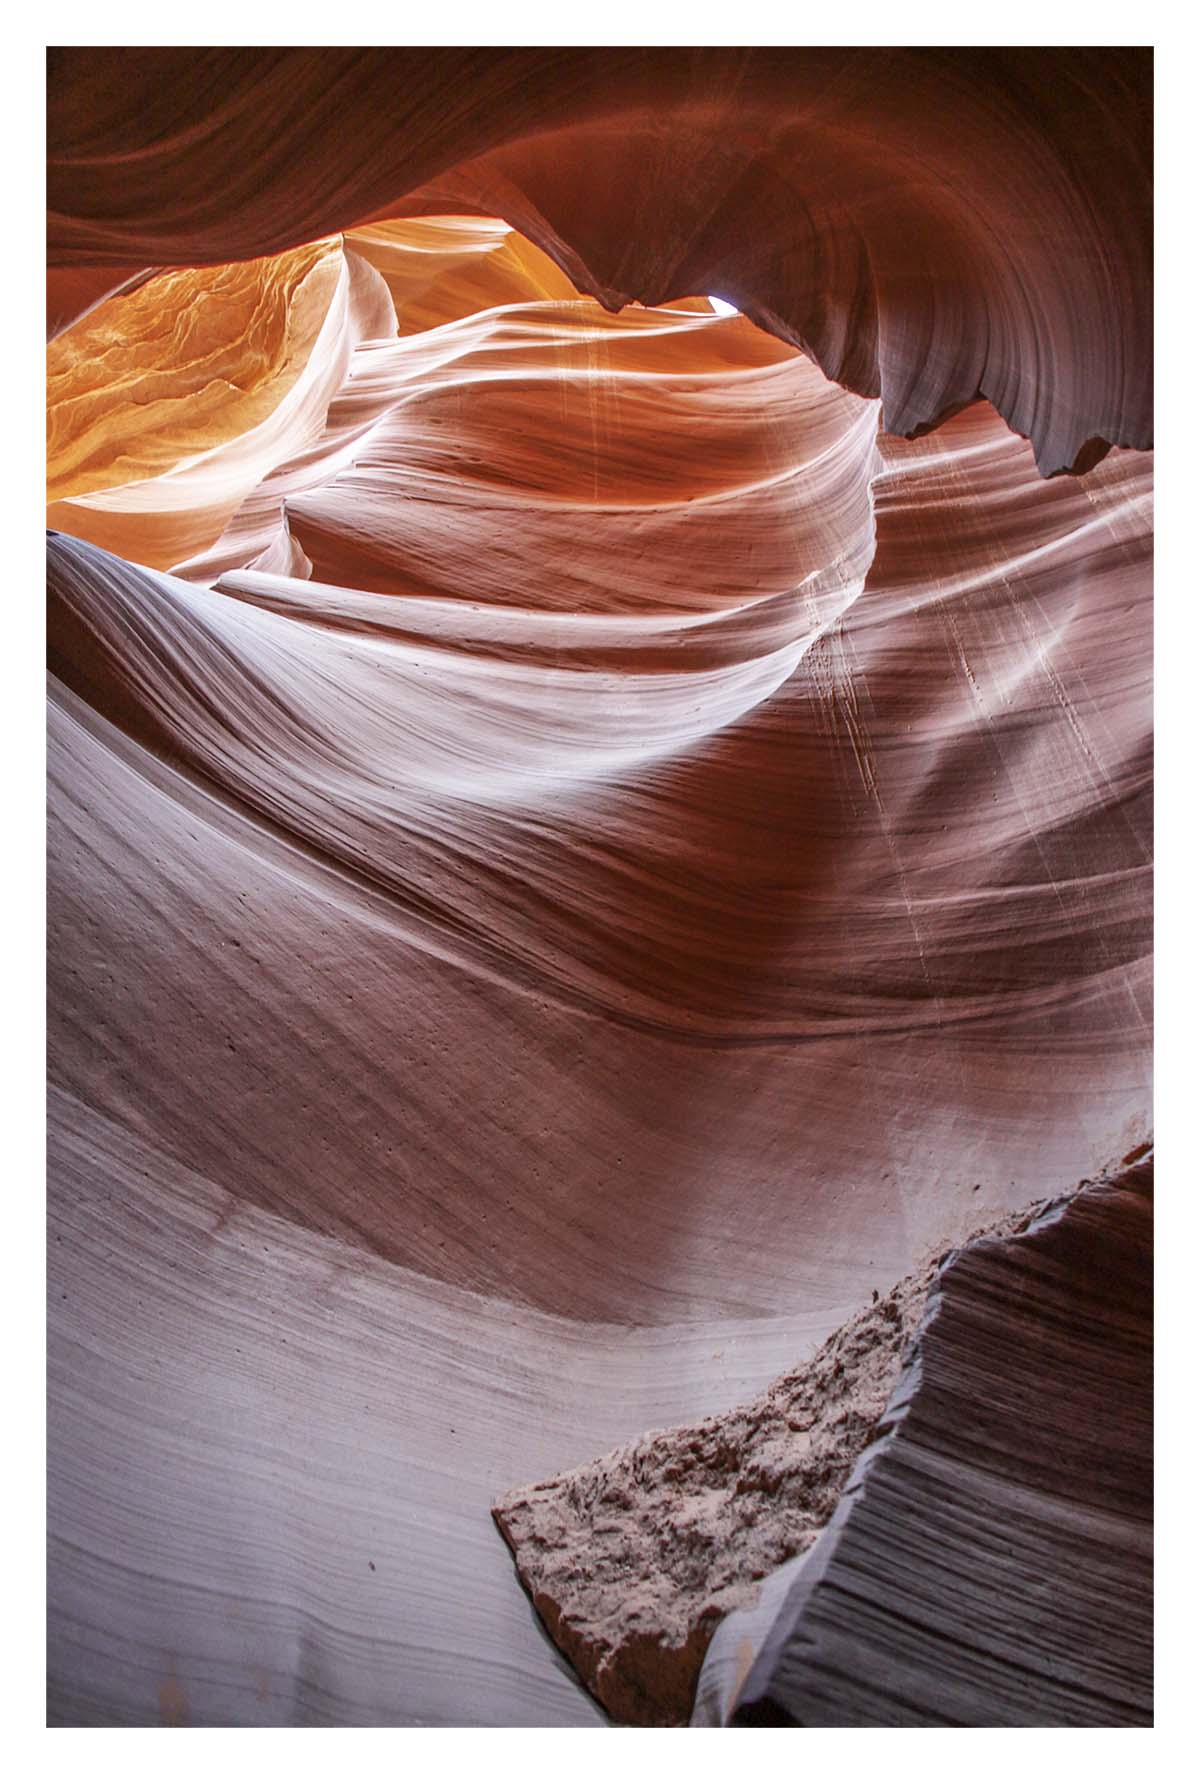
800	1637
634	1559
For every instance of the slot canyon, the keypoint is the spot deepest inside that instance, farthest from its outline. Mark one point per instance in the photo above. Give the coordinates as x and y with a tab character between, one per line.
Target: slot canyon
599	819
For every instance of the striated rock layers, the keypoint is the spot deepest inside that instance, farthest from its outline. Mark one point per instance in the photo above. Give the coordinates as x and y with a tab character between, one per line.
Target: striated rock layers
575	857
633	1560
991	1562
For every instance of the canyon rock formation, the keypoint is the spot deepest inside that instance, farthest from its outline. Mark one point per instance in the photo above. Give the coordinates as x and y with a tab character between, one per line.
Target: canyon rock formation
577	852
1007	1514
633	1560
991	1562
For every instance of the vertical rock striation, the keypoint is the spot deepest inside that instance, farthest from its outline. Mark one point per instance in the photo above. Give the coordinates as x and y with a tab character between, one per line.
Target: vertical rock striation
991	1561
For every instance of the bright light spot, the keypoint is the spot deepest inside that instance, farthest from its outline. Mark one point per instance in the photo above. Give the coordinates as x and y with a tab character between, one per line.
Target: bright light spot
720	307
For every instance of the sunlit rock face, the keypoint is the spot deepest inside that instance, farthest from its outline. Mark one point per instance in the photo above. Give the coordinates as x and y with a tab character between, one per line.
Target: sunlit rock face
576	855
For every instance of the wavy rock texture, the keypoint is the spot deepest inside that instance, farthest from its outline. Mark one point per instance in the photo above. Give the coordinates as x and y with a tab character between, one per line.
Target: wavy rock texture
167	406
991	1561
573	859
929	225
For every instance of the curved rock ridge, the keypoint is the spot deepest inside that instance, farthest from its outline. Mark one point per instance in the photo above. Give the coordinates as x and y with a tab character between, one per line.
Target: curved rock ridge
991	1561
257	385
443	268
931	226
